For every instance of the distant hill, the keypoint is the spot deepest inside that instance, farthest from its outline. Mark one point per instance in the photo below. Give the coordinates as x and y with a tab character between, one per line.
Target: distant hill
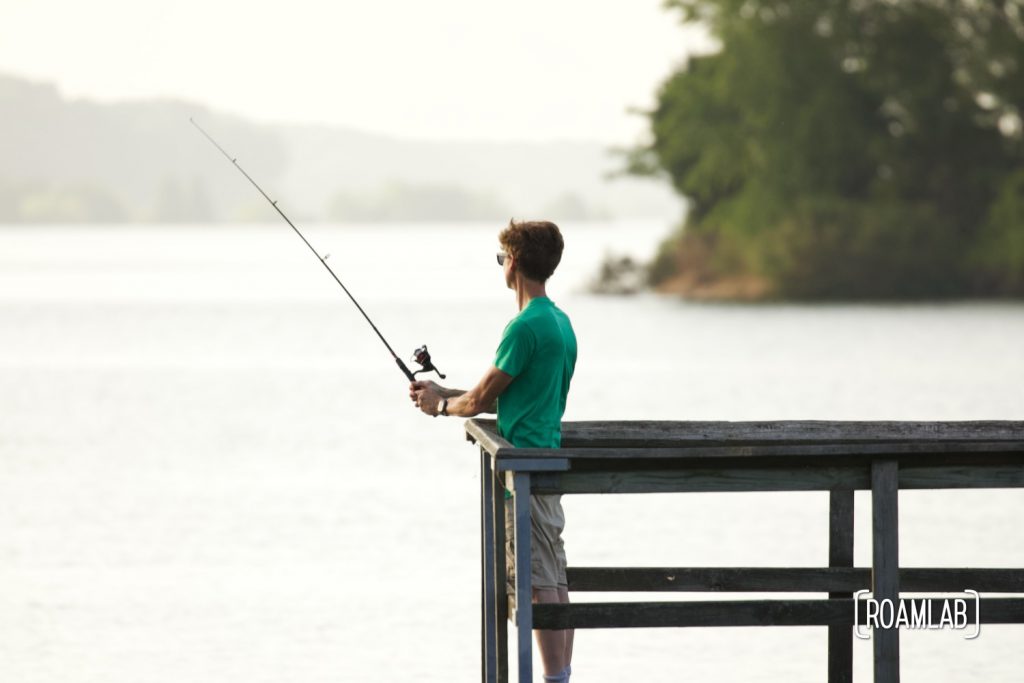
80	161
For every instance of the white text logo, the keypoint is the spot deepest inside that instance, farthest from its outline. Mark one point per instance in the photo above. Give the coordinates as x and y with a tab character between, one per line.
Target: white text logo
916	613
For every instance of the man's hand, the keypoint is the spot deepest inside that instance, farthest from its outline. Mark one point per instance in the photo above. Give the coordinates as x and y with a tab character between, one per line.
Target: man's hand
426	395
425	384
480	399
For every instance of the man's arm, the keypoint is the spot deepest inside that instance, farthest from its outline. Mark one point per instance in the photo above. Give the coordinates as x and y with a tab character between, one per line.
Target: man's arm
453	393
480	399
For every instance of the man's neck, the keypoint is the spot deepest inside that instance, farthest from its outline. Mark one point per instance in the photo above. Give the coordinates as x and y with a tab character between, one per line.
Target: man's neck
527	290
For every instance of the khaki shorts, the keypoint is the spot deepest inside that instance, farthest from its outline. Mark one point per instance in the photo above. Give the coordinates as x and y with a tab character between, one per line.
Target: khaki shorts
547	551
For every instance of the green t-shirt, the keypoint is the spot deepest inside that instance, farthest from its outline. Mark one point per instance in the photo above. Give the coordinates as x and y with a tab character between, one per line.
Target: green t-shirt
538	348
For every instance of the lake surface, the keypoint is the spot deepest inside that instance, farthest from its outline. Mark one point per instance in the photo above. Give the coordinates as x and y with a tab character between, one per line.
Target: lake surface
210	470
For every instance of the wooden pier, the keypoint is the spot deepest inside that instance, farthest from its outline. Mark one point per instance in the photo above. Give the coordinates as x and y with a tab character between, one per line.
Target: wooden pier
662	457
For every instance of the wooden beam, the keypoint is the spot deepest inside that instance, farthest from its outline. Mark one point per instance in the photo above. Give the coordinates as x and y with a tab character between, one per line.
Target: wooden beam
923	476
501	616
717	579
488	600
840	557
703	451
658	433
693	613
923	580
681	614
807	477
536	464
885	577
786	579
704	479
485	433
524	608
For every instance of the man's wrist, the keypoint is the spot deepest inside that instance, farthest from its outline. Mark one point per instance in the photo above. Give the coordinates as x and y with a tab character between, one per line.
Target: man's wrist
442	406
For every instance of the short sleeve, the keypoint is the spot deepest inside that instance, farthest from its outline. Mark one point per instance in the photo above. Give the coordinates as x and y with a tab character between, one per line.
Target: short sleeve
516	348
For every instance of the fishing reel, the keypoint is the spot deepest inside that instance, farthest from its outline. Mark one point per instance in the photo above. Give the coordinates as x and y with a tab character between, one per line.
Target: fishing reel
422	357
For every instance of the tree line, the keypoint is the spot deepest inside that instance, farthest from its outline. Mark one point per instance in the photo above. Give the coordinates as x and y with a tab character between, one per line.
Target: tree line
845	149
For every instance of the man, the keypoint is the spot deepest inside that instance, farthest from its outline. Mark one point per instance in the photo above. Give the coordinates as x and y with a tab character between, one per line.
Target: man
527	387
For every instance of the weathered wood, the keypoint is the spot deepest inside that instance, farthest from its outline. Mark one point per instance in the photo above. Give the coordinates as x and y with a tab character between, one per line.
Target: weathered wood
488	629
717	579
919	476
923	580
840	529
524	607
819	478
501	608
843	580
704	479
676	434
885	577
702	451
485	433
998	611
695	613
840	557
739	613
536	464
650	457
613	434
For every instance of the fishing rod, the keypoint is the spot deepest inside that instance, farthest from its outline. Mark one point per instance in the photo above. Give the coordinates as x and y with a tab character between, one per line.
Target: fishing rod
421	356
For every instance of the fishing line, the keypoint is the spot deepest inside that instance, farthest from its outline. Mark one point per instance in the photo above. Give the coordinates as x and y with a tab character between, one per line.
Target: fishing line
420	355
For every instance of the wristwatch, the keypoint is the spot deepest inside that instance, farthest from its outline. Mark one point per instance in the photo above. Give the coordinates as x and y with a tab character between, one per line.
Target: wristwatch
442	407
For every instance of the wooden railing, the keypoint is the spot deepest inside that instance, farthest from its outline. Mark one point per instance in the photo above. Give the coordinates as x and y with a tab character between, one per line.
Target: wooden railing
652	457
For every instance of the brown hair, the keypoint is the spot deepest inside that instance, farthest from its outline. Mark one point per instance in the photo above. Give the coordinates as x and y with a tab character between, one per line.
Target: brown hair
536	245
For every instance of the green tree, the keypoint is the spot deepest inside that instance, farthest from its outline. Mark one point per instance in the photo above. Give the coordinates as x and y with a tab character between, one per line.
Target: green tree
847	148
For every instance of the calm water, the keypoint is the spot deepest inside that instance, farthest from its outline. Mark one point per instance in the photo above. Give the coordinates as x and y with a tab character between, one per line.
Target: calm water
210	470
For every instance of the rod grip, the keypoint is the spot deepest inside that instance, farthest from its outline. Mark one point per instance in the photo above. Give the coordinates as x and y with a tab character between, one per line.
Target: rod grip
405	369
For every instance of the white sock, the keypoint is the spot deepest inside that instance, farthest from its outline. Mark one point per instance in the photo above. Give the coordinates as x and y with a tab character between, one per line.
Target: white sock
561	677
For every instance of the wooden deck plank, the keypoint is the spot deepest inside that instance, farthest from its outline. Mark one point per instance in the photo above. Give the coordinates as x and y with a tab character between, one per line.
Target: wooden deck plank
662	434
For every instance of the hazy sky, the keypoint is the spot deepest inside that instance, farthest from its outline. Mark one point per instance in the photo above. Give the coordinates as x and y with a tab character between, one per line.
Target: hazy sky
439	69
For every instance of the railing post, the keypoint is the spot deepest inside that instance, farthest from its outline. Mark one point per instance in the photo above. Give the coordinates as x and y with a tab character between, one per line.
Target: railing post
885	569
488	554
500	577
524	590
840	554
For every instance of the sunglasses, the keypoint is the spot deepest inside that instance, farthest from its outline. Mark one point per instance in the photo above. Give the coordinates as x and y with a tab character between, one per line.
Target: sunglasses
501	258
